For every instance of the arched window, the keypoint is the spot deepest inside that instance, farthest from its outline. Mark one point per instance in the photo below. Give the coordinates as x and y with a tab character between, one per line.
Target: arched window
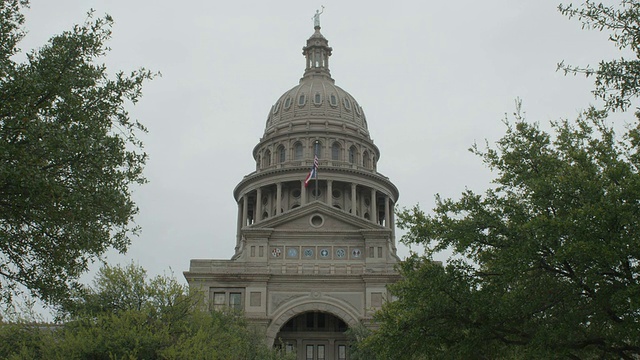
316	149
366	161
352	155
266	159
333	100
335	151
281	154
297	151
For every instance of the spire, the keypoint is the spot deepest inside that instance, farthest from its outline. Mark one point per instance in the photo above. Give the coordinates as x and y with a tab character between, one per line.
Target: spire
317	51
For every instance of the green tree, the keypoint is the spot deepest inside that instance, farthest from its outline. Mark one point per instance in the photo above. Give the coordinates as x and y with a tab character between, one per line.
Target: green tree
127	315
69	153
546	263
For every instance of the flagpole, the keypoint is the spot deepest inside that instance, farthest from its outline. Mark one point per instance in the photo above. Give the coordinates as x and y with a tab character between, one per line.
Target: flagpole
315	155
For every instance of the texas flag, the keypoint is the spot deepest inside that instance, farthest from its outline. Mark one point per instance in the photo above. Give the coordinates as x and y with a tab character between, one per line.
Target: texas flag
313	173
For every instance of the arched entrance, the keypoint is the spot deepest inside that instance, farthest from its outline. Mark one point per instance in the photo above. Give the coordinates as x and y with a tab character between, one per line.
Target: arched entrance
314	335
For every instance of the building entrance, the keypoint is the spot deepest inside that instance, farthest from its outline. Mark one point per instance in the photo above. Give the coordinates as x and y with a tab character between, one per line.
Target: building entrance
315	336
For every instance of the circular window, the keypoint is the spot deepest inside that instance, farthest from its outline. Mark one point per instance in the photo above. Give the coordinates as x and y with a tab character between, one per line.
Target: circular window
316	193
316	220
265	200
295	193
336	193
367	201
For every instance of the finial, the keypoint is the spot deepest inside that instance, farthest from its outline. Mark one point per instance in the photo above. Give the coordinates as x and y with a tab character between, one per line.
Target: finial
316	18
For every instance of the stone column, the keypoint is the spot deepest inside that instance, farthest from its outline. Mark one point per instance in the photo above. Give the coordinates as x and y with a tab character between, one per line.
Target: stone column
278	198
387	216
245	209
374	207
393	220
239	222
329	192
353	199
258	214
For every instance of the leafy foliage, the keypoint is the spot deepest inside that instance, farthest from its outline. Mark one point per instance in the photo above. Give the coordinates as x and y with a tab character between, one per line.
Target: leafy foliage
616	81
68	156
126	315
546	263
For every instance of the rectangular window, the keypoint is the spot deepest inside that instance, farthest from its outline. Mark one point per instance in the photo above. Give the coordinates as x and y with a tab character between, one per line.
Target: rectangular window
342	352
322	320
261	251
219	300
379	251
321	352
310	320
310	352
253	251
235	301
289	348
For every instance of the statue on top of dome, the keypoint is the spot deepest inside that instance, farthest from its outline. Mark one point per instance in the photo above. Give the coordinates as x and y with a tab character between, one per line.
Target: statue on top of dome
316	17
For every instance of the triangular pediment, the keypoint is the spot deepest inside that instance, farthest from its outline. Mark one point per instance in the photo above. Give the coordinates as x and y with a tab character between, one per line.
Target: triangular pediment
316	216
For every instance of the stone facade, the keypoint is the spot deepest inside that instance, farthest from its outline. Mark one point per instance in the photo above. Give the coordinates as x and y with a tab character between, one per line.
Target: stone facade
311	259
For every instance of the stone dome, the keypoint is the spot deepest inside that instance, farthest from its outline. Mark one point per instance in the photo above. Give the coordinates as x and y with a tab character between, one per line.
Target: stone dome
316	98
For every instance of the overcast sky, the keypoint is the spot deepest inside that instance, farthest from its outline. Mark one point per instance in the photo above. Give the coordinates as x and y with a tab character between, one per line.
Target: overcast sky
433	77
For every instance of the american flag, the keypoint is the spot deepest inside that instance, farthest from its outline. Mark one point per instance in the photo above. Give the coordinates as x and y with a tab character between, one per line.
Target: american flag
313	173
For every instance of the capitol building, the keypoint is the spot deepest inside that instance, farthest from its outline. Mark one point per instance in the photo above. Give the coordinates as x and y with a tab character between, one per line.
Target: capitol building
315	246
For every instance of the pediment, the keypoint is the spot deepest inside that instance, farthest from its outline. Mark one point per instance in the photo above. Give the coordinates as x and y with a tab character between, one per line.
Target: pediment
317	217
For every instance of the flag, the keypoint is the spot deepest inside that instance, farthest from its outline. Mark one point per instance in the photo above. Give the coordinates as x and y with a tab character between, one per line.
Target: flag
313	173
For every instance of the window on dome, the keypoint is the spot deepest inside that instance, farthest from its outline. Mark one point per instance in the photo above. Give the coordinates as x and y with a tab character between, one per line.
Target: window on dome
276	107
317	100
358	109
335	151
366	161
297	151
347	104
266	159
352	155
287	103
301	100
333	100
281	154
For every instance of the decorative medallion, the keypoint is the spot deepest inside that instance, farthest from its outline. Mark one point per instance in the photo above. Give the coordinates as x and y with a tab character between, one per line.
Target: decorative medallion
340	253
292	252
276	252
308	252
356	253
324	253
